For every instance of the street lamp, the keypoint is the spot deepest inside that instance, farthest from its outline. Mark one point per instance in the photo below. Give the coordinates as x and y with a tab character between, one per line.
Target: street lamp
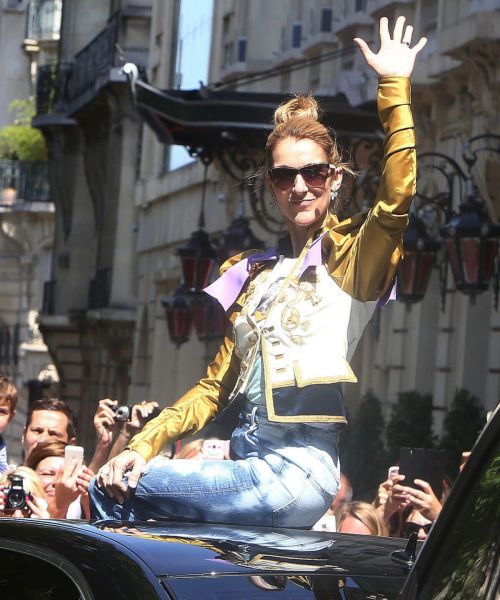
470	238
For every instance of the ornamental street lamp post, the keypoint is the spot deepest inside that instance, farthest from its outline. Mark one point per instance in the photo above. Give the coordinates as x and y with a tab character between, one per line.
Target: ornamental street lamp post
469	237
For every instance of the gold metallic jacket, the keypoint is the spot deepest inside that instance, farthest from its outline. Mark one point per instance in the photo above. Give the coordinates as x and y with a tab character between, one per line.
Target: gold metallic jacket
361	255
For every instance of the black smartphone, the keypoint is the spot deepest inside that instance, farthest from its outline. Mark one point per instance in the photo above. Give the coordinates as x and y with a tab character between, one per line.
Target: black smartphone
423	463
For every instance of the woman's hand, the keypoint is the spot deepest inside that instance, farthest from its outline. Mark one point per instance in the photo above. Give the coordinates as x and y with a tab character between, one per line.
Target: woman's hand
38	508
66	490
423	499
388	501
110	476
104	422
395	56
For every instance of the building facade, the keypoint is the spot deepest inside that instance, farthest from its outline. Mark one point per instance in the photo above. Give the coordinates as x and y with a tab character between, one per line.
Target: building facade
126	202
29	32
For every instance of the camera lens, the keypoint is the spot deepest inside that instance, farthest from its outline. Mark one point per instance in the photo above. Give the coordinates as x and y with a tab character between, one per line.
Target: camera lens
15	499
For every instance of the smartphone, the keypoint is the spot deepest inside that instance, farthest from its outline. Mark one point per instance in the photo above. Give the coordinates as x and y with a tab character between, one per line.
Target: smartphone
214	449
394	470
73	455
423	463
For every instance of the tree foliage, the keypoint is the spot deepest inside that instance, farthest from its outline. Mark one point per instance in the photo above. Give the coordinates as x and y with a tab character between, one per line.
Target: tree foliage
462	424
410	423
19	140
365	460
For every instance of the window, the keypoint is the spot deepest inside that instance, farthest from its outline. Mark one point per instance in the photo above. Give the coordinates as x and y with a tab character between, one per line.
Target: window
326	20
467	563
242	50
296	35
360	5
44	580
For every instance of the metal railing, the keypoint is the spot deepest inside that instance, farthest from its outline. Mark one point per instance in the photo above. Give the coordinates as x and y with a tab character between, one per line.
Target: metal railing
24	180
44	19
100	289
95	59
52	87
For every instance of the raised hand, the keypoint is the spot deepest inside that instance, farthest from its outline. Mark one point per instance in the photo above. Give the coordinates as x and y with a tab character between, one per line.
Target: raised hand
395	56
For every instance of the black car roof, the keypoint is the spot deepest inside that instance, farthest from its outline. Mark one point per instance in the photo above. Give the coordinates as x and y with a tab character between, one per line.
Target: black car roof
178	549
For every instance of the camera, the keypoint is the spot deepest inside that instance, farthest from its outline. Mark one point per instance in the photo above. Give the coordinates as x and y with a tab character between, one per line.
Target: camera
15	496
124	412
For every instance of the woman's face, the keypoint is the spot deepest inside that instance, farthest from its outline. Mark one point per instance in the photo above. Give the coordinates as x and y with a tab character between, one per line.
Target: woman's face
352	525
303	204
47	470
417	522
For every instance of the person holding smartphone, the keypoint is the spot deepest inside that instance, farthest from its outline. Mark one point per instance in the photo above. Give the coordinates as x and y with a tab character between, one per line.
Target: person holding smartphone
64	478
297	316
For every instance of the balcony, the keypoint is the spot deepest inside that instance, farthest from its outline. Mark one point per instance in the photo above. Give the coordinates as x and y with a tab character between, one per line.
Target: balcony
21	180
100	289
65	87
44	20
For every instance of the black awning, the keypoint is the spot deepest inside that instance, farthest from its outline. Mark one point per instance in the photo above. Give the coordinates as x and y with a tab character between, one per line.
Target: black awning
208	118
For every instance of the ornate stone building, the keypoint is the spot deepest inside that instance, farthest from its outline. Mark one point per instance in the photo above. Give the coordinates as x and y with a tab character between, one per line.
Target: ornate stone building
85	110
28	33
127	200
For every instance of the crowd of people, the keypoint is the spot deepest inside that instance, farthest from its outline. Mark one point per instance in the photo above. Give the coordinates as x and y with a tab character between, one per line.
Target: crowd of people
57	489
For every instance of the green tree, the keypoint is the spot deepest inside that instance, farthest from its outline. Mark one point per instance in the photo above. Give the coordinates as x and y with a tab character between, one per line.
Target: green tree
410	423
365	461
19	140
462	424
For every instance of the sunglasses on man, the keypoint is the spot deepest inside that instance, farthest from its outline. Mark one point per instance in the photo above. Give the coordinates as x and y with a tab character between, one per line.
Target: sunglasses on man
315	175
410	527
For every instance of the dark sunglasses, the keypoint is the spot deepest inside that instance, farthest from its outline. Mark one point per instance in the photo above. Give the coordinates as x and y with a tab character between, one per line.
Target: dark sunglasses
409	528
315	175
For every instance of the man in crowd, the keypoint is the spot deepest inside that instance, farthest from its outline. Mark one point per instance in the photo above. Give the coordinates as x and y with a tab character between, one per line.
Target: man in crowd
48	418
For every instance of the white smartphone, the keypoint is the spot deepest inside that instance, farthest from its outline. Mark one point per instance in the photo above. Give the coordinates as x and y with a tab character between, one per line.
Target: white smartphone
392	472
73	455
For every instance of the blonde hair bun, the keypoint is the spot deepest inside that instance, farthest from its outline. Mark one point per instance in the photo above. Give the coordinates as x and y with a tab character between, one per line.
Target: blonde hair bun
303	107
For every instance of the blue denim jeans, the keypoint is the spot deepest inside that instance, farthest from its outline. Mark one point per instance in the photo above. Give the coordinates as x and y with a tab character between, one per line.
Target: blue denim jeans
281	475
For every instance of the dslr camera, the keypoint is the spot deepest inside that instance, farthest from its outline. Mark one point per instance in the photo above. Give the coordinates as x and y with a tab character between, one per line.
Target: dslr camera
15	496
124	412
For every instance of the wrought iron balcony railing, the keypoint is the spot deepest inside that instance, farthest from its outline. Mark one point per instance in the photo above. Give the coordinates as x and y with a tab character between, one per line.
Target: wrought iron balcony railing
95	59
58	85
44	19
100	289
52	88
23	180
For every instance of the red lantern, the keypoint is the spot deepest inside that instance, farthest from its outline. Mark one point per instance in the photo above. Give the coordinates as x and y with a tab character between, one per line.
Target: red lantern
210	319
198	258
178	315
238	237
472	244
414	271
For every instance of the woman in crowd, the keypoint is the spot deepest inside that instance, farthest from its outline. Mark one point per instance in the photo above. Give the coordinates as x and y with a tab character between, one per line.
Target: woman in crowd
35	506
360	517
296	322
65	487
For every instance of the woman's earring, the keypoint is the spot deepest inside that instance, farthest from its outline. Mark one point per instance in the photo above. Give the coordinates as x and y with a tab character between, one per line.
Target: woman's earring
333	200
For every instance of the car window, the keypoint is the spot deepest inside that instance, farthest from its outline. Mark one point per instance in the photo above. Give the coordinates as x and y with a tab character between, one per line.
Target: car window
468	564
30	578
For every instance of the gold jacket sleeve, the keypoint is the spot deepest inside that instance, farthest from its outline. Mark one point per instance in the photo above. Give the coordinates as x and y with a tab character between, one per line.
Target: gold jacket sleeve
200	404
364	251
194	409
